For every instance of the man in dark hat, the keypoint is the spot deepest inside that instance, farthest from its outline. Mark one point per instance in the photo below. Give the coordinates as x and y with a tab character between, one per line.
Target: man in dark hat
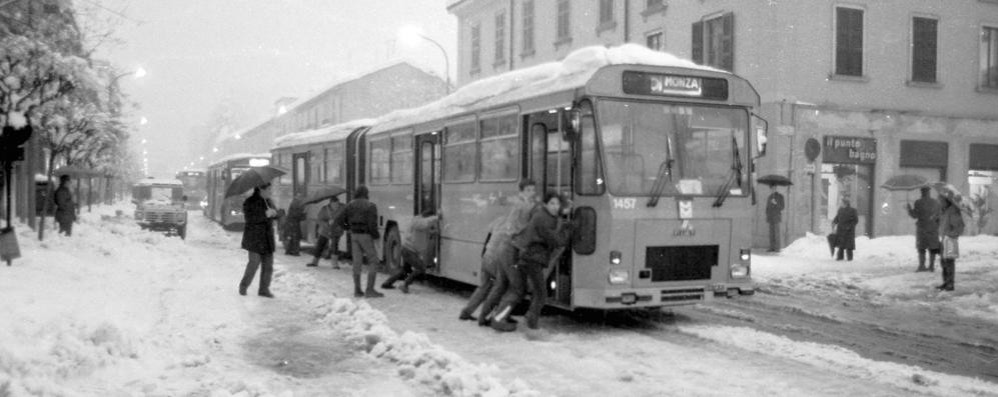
774	215
926	214
845	223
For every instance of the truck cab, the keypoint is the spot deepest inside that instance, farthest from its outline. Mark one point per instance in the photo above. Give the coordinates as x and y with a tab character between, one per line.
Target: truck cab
160	204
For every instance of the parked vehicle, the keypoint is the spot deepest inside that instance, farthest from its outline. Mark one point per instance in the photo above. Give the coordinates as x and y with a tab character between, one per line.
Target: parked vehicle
160	204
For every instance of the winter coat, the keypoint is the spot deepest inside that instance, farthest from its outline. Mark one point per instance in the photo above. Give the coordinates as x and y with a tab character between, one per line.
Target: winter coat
846	219
774	208
542	235
327	214
360	216
926	214
419	238
258	236
951	221
65	209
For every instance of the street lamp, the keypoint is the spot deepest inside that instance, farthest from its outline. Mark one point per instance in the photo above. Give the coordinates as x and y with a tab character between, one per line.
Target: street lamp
410	35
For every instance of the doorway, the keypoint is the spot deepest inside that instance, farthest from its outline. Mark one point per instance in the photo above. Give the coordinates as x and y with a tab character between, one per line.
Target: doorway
844	181
427	186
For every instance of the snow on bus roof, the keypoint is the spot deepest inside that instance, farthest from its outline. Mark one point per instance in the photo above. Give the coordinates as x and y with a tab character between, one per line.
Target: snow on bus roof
239	156
330	133
161	181
574	71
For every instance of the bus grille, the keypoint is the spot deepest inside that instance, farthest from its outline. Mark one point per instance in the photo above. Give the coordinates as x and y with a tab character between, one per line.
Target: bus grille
683	295
164	217
680	263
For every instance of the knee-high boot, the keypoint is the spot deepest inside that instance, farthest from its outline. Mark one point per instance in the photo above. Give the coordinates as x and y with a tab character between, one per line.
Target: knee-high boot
371	293
357	292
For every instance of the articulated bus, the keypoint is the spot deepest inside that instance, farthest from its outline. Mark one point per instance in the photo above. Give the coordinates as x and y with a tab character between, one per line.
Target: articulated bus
229	211
194	188
653	151
316	158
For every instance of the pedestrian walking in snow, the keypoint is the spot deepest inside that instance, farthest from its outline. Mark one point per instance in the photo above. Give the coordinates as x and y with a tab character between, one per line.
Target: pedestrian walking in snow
926	214
258	238
329	232
951	226
845	230
418	250
360	217
292	226
498	272
65	208
545	232
774	215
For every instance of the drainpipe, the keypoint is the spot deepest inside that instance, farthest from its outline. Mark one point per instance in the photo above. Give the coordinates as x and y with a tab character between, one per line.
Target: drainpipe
511	35
627	21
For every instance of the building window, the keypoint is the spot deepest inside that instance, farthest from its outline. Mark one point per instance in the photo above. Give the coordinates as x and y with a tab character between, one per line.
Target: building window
528	28
848	41
564	17
989	58
605	14
500	48
714	42
923	49
654	41
652	7
476	48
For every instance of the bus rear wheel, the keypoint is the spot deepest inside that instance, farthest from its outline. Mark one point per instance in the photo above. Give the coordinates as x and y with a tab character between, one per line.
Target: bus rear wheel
393	250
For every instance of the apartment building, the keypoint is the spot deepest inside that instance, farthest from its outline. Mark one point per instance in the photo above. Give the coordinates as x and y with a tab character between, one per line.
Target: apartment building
855	92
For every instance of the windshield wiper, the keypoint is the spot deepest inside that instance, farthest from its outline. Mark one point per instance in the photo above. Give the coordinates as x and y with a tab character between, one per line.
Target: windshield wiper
664	169
736	174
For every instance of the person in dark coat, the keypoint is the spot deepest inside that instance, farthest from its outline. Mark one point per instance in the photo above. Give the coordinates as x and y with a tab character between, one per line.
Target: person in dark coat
498	272
360	217
292	226
774	215
845	222
951	226
926	214
65	208
258	238
545	232
329	232
418	250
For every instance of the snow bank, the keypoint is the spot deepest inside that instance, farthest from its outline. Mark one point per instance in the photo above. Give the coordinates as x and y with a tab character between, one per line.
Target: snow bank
417	358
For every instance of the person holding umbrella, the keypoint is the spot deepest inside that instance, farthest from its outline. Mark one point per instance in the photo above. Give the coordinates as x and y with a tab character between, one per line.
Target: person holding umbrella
774	215
926	214
258	239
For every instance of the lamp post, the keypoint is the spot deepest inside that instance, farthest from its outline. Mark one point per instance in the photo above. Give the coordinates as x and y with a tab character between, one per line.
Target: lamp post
138	73
410	34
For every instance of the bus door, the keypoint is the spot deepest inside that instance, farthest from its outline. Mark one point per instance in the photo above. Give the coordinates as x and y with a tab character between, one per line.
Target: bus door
299	172
427	186
549	164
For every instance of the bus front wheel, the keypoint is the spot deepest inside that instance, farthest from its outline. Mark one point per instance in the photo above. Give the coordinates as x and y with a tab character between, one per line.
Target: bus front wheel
393	250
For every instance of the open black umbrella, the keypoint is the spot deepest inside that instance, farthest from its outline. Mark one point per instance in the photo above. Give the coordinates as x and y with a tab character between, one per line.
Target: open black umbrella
253	177
904	182
775	180
324	193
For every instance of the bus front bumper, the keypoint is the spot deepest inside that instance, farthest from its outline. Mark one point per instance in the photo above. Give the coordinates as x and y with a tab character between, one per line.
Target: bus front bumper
656	297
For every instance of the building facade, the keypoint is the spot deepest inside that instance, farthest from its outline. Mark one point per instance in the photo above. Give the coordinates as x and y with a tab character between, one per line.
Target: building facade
855	92
397	86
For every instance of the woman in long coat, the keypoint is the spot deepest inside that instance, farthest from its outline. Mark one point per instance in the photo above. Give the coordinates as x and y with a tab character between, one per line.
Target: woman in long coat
845	221
258	239
950	228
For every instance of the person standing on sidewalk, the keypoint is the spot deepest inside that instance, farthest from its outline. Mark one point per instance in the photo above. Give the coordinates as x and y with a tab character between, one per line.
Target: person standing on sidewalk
774	216
845	230
926	214
65	208
360	217
951	226
258	239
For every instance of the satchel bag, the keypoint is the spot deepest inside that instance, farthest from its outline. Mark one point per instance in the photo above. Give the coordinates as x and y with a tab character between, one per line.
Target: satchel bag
951	248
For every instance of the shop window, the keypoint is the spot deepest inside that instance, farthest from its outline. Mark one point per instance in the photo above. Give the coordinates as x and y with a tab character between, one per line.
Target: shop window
982	181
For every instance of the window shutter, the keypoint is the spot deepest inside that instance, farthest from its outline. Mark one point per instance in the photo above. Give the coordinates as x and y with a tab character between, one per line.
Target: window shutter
728	42
849	42
923	62
697	53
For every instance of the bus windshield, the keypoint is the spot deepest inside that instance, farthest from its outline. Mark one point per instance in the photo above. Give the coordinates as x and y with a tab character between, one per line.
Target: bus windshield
687	149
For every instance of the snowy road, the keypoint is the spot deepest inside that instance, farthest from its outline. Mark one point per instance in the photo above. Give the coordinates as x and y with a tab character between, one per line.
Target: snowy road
118	311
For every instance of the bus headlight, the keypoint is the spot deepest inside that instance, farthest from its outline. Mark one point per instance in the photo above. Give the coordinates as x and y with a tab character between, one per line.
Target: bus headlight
739	270
204	203
235	213
619	276
615	257
745	254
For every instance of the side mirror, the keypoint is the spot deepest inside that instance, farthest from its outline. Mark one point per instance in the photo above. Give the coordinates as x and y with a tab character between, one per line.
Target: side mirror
761	127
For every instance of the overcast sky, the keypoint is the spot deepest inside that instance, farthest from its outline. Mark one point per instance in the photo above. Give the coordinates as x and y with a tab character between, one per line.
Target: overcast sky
199	52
